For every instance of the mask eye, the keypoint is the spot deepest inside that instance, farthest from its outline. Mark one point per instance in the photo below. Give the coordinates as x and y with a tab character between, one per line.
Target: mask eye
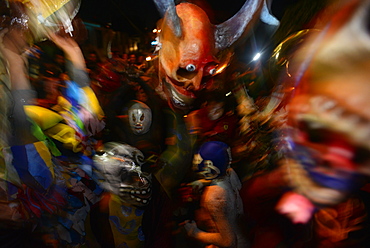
210	69
133	117
142	117
190	67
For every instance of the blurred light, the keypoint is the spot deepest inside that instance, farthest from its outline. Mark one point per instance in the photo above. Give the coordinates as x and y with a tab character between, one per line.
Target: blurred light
221	68
287	69
154	43
148	58
159	30
277	55
92	25
228	93
257	56
155	30
185	116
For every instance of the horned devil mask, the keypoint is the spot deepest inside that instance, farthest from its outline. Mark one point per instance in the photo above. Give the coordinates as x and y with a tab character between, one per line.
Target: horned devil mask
190	46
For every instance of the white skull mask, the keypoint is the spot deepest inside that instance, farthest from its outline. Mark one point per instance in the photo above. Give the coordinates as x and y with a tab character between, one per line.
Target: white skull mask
140	118
119	167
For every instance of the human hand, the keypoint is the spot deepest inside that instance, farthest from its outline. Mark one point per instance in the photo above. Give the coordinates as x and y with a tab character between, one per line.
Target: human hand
192	191
198	185
191	228
66	43
70	48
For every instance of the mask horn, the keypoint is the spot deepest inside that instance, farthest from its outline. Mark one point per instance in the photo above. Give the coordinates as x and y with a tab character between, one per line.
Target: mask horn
228	32
266	15
168	8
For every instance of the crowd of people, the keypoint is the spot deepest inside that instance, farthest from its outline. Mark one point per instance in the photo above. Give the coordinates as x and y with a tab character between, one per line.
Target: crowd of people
115	151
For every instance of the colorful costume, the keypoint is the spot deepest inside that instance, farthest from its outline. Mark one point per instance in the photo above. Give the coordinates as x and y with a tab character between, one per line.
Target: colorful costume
48	177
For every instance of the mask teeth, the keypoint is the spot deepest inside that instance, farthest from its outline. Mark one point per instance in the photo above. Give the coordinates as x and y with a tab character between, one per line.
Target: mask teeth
177	99
323	112
158	46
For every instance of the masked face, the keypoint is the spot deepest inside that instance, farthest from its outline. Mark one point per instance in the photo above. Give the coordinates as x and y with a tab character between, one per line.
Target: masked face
189	47
119	166
330	109
205	168
187	63
140	118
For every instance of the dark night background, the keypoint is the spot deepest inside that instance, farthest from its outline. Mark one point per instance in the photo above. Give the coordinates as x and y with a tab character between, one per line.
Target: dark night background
136	16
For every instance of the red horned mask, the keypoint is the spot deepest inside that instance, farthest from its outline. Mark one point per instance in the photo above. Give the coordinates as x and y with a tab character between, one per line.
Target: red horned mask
190	46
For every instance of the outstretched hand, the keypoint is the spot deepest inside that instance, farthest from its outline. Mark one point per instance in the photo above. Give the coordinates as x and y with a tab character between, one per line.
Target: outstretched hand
63	42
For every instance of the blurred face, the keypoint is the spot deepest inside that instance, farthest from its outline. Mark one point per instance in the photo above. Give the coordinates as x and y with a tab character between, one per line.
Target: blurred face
51	89
140	59
215	110
132	59
59	59
125	57
92	57
115	54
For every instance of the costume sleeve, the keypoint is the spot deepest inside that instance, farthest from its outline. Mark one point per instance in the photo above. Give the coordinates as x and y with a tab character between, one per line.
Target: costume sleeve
79	76
80	104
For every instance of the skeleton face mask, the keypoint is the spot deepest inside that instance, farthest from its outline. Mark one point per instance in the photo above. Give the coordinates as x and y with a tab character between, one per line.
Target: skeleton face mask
119	168
140	118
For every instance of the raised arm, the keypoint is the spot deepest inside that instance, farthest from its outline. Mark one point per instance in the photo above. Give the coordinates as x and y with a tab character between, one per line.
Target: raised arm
11	47
76	67
75	61
12	43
